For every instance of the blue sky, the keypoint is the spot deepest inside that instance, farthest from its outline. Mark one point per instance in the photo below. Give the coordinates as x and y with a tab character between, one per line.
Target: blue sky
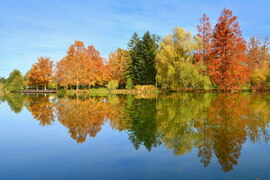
33	28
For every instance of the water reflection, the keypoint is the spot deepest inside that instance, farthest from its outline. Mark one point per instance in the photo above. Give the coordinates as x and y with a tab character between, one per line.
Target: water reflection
15	102
214	124
81	116
41	107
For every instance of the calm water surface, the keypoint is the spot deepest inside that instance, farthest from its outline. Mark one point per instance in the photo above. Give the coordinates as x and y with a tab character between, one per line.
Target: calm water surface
175	136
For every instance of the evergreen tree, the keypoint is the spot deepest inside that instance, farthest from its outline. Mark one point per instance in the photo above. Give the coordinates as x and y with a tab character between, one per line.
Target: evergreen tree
133	47
143	53
148	47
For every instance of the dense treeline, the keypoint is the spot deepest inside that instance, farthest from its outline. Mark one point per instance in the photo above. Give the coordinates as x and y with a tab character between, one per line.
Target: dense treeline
216	58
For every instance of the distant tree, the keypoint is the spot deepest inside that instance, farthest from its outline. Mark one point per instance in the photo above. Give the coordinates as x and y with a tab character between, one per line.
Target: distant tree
41	72
228	63
14	81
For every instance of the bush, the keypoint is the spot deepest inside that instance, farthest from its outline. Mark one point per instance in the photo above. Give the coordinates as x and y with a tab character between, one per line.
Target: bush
146	88
113	84
129	84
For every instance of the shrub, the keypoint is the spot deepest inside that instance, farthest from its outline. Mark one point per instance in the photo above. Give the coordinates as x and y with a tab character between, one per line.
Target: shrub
146	88
129	84
113	84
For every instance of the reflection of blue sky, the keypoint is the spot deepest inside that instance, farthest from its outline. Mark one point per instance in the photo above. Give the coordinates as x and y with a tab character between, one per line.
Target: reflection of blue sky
29	151
31	28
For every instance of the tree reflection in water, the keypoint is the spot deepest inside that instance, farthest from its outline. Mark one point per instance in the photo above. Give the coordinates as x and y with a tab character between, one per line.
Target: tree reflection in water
216	124
42	108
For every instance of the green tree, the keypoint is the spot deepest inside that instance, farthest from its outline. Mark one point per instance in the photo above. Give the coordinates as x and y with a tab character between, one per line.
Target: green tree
14	81
132	71
143	52
175	62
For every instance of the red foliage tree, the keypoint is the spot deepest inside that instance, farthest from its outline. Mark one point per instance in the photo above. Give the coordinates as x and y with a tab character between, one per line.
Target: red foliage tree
205	33
228	63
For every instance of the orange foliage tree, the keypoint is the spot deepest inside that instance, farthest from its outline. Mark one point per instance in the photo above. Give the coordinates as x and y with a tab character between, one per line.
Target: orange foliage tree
118	65
41	72
95	71
81	66
227	64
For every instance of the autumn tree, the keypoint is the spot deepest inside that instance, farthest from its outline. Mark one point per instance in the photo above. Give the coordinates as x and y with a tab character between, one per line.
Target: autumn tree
96	73
118	65
81	66
228	63
205	43
41	73
175	62
258	55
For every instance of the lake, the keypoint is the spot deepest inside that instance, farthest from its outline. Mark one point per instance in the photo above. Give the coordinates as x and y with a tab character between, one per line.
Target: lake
147	136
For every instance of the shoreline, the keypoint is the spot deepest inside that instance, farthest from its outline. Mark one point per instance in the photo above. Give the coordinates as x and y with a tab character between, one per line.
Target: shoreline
132	91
